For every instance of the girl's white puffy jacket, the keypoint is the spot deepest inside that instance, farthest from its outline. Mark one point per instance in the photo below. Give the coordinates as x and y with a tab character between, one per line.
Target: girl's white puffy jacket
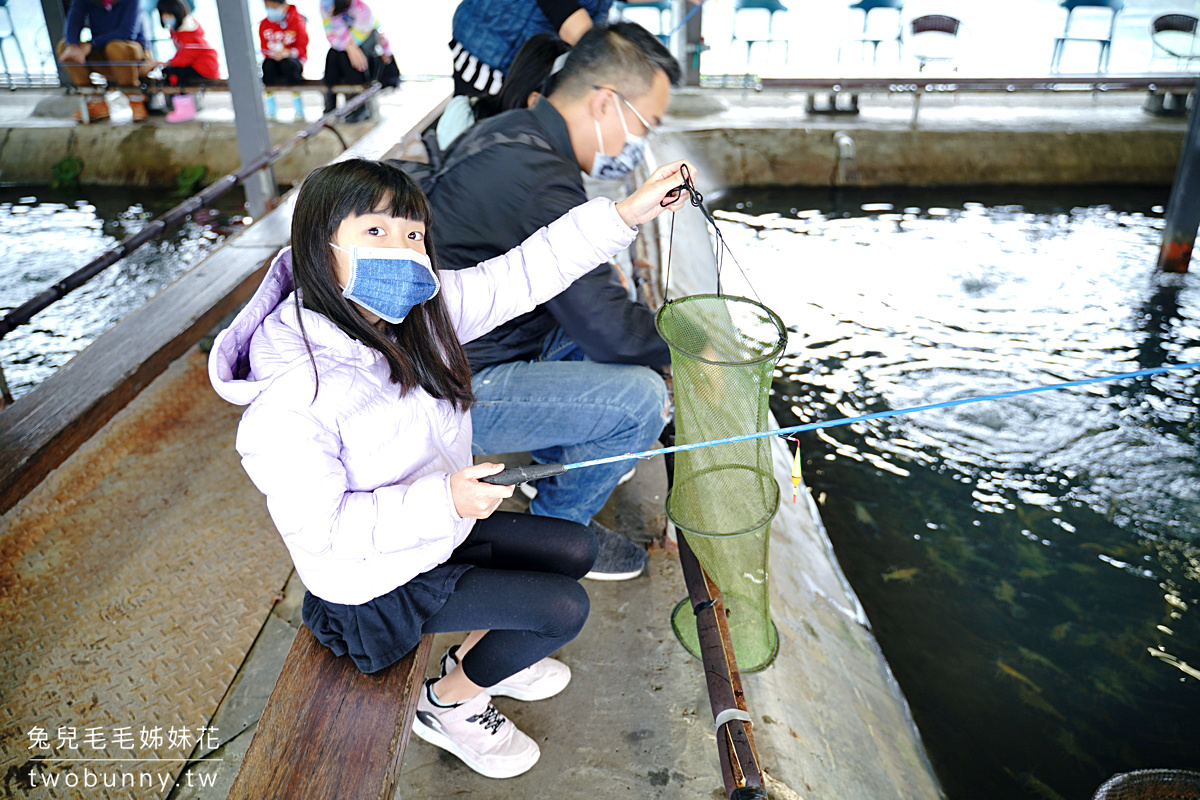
358	481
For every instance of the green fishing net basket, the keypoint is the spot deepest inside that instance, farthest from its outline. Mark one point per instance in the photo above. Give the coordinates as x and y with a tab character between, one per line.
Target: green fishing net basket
724	497
1151	784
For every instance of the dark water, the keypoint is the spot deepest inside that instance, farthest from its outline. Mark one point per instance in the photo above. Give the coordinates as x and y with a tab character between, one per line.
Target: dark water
1031	566
46	235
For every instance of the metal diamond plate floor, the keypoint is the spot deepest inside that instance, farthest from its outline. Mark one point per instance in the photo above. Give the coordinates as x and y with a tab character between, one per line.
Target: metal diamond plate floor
133	582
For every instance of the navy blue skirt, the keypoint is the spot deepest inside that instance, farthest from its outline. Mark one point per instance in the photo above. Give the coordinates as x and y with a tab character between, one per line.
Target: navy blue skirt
378	633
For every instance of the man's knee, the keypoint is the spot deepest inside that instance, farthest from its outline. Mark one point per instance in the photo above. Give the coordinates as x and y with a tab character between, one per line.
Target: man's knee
650	394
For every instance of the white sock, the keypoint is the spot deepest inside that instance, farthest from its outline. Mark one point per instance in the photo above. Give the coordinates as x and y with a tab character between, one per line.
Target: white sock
434	699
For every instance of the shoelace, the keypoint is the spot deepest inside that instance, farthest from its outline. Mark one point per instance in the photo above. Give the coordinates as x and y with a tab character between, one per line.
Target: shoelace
490	719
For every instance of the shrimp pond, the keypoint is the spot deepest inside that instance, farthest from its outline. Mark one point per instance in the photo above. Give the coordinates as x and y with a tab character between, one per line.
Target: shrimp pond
1030	566
47	234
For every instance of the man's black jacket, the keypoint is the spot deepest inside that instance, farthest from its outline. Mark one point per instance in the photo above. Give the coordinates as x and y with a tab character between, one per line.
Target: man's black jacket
503	179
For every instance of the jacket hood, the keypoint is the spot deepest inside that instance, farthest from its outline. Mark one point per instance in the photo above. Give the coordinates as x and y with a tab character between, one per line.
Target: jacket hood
229	359
265	340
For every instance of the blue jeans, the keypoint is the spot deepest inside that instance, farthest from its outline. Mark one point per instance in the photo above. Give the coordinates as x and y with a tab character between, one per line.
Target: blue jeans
565	409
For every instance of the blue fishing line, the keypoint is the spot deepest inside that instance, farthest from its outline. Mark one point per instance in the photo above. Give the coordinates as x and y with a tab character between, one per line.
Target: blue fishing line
684	21
833	423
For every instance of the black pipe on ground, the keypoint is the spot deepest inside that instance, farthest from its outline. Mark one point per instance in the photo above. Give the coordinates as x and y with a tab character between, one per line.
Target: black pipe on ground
1183	208
735	744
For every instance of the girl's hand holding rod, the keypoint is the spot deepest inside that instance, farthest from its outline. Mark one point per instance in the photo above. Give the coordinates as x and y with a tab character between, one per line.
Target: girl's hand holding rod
473	499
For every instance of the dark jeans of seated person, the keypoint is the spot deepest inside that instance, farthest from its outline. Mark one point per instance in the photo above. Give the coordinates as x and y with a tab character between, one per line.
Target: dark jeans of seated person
184	76
283	72
339	72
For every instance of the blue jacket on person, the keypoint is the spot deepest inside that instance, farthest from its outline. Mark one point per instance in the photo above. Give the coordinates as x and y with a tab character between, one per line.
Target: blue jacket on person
121	23
493	30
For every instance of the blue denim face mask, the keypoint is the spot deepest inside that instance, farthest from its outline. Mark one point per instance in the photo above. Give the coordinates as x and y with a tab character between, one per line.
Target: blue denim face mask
277	14
606	167
389	281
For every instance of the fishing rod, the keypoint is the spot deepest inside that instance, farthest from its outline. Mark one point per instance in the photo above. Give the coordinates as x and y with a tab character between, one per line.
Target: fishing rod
511	476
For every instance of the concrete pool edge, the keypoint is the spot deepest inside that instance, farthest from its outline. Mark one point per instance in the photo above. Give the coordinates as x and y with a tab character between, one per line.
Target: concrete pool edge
748	138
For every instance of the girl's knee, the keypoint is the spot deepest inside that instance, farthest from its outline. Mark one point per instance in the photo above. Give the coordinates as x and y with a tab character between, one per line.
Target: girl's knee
581	547
574	607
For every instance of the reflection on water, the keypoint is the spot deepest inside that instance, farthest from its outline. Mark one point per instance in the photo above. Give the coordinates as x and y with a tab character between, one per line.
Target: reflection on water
48	236
1030	565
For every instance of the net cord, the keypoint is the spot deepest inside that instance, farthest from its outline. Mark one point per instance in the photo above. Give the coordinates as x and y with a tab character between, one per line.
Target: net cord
722	248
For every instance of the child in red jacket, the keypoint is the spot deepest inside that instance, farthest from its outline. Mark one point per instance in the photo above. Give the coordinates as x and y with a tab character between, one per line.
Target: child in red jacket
195	60
283	38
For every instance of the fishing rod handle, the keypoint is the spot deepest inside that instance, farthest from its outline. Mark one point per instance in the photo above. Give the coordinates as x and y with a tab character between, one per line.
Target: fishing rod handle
511	476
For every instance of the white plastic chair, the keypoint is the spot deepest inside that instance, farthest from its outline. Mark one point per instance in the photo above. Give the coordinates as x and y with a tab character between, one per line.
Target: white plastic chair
934	37
1175	36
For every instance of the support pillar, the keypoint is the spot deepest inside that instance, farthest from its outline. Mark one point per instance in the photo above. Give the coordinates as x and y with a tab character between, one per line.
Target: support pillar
1183	208
56	28
245	88
687	44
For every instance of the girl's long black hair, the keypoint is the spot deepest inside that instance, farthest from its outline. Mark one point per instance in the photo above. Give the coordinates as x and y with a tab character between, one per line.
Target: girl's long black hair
176	8
422	350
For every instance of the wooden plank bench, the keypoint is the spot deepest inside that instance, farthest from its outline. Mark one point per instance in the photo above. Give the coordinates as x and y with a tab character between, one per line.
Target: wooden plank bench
330	731
84	92
215	86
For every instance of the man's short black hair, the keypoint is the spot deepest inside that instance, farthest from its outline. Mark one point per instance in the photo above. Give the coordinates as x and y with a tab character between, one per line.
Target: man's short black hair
624	56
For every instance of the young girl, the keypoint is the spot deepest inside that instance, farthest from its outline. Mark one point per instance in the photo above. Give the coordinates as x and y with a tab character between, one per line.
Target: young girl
358	431
195	60
283	40
358	51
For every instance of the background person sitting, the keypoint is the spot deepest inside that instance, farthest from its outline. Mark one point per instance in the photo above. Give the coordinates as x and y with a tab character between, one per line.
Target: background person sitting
194	62
116	36
522	88
571	380
283	39
358	51
488	33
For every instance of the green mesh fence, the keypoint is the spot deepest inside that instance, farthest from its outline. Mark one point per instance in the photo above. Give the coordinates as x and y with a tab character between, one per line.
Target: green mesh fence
723	498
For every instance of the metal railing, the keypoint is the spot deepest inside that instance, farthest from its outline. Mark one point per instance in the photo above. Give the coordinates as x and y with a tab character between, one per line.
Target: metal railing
917	86
26	311
914	84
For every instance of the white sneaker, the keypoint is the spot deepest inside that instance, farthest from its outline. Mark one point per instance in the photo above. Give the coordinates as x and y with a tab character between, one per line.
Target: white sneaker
530	490
538	681
486	740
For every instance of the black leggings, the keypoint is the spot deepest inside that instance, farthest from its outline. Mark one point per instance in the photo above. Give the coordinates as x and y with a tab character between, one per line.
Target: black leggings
338	70
184	76
524	590
284	72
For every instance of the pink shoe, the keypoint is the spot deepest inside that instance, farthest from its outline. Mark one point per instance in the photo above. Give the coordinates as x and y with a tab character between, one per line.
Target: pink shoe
184	109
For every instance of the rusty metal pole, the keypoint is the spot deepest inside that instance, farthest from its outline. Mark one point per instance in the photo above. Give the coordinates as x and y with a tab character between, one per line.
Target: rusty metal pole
693	45
56	27
249	116
1183	208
